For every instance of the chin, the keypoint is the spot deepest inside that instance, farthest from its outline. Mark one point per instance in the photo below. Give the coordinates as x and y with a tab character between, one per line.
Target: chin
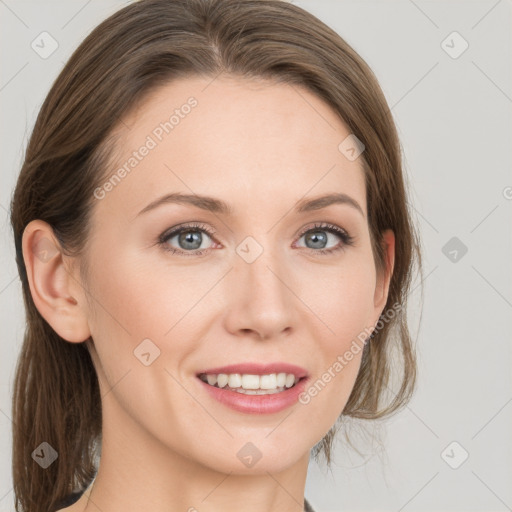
260	456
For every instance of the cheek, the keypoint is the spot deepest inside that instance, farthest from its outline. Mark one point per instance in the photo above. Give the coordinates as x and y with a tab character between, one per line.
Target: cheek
344	305
343	299
138	301
133	305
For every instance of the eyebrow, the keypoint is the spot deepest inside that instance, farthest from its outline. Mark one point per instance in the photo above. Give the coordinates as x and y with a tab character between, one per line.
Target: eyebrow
214	205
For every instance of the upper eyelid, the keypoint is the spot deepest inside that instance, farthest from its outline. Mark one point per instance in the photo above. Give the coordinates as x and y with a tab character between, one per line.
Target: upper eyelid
188	227
199	226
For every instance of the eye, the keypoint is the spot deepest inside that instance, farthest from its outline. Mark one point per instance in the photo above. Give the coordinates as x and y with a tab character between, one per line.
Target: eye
317	238
189	239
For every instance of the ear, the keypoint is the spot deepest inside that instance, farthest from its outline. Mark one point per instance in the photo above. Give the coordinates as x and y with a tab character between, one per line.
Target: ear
384	275
52	284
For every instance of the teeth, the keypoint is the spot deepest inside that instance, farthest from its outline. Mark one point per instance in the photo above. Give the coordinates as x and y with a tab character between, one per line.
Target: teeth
259	391
251	381
290	380
269	381
251	384
222	380
235	380
212	379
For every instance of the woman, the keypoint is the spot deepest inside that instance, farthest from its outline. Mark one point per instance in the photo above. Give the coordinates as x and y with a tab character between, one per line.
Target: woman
213	239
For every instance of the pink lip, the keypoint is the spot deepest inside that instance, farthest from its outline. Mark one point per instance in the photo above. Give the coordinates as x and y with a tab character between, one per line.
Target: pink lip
256	404
258	369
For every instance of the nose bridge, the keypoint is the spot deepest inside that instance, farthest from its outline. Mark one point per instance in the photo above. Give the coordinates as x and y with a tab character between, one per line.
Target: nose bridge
262	299
259	261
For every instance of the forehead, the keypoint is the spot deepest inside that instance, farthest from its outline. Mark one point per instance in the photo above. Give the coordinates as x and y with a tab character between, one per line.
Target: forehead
252	141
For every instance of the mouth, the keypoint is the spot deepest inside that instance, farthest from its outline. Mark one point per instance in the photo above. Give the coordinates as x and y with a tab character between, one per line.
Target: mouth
253	378
252	384
253	388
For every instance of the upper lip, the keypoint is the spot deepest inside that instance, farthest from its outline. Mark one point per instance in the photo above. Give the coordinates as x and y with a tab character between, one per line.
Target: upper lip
258	369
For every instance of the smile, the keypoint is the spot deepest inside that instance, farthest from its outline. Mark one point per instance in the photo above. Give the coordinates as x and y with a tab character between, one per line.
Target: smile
251	384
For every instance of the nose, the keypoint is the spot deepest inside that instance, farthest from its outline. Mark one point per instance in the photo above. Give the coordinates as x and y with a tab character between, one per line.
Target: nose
260	299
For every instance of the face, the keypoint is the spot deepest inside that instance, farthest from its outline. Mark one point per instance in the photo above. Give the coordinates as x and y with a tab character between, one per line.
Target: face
257	282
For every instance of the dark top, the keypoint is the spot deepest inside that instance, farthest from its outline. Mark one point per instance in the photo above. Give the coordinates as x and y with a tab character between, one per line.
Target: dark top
307	506
69	500
72	498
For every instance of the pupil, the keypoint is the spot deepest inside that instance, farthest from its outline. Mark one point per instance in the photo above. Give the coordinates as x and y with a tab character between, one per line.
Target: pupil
190	237
315	237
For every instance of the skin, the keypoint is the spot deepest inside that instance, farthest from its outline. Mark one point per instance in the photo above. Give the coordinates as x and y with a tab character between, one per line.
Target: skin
260	147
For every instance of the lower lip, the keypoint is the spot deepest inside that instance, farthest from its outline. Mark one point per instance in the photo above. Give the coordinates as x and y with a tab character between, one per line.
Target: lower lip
256	404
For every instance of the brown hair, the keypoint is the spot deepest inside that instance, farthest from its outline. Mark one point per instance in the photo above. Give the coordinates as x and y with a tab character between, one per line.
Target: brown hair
143	46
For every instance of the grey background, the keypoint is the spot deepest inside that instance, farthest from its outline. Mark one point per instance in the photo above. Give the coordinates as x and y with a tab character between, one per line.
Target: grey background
453	116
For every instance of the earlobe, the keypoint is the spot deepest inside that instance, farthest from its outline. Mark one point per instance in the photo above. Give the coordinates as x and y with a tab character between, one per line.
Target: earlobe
384	276
54	289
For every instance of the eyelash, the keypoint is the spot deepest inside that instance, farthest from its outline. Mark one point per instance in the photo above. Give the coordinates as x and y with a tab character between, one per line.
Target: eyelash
331	228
